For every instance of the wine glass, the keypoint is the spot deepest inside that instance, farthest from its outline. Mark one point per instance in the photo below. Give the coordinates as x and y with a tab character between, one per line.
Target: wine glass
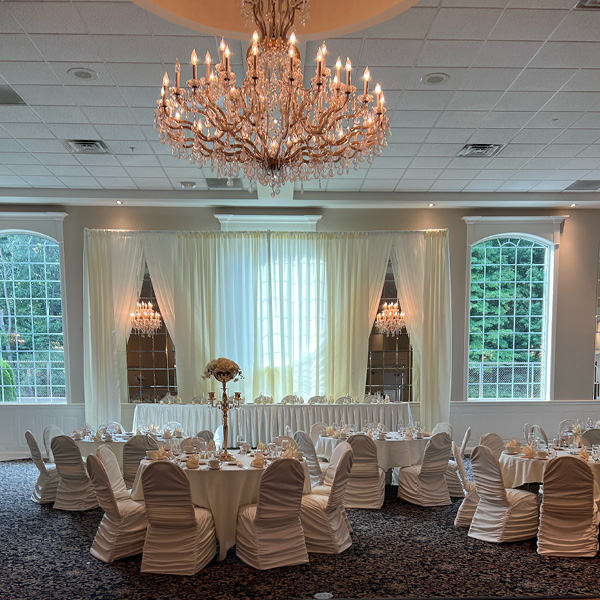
239	440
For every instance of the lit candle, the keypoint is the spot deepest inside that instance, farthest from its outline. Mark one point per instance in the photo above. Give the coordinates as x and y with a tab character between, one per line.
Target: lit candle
291	53
207	60
348	69
194	65
177	73
367	76
227	54
222	48
163	96
323	52
319	63
255	37
254	57
165	86
293	39
378	93
338	66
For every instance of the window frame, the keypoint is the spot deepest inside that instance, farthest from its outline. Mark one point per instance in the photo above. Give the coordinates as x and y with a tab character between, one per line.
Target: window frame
47	225
544	230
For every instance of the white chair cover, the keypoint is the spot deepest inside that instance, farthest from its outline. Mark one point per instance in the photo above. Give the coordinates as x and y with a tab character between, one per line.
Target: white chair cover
269	533
172	426
442	428
592	436
205	435
316	430
181	537
122	530
366	485
134	451
75	490
114	425
288	431
49	433
466	438
502	515
526	431
492	441
467	507
344	400
219	437
318	400
324	519
329	474
290	440
564	426
306	446
47	481
539	433
425	484
568	515
111	466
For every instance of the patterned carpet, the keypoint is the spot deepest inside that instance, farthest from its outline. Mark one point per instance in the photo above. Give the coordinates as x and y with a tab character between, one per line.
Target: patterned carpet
401	551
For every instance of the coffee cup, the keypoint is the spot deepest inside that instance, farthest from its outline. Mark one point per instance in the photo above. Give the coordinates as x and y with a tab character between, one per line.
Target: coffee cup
419	435
542	454
214	463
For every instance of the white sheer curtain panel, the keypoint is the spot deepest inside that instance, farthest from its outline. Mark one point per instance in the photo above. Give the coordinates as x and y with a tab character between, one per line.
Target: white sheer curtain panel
113	274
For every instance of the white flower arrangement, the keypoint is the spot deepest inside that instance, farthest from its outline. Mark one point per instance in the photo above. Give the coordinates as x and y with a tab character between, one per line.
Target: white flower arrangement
223	370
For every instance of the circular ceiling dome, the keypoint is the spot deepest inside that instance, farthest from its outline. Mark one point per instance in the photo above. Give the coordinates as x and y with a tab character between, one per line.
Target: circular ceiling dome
328	18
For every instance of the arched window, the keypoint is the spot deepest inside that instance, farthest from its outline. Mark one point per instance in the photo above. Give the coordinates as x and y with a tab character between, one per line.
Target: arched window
508	318
32	358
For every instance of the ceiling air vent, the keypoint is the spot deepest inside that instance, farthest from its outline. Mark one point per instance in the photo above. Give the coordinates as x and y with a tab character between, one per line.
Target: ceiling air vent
584	185
87	147
588	5
214	183
480	150
8	96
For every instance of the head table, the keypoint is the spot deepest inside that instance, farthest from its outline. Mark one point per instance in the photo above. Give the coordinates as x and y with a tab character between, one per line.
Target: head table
257	422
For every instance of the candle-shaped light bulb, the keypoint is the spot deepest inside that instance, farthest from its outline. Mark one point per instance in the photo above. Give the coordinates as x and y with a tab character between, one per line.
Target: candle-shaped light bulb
254	57
222	48
227	55
366	77
207	60
348	69
378	94
338	66
323	52
166	80
293	39
194	65
255	37
291	55
177	72
319	63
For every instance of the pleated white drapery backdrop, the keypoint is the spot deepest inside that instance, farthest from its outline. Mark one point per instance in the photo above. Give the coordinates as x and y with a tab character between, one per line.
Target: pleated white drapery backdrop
294	310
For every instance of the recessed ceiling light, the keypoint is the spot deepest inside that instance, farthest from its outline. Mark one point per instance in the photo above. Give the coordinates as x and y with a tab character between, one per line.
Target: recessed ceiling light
573	204
119	202
188	185
431	205
435	78
82	74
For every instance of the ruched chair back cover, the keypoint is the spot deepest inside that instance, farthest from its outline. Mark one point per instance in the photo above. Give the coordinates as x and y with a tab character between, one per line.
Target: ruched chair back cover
316	430
286	438
339	451
111	466
442	428
502	515
75	490
44	491
50	432
324	519
134	451
180	539
122	530
205	435
539	433
425	484
564	426
465	441
366	485
494	442
306	446
466	510
569	515
269	533
592	436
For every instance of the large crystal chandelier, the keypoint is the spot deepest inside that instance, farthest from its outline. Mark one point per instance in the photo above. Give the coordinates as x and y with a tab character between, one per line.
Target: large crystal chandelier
390	320
145	321
271	126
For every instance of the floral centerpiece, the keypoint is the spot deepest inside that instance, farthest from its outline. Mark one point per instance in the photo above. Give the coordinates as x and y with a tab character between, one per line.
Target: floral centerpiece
224	370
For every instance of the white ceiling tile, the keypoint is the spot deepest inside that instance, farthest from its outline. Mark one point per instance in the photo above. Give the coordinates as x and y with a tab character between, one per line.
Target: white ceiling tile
551	186
448	185
98	160
125	147
125	74
375	173
140	172
463	24
10	146
483	185
60	115
80	182
138	160
149	132
461	119
69	171
61	70
108	116
130	133
168	160
17	47
532	174
379	185
449	136
5	170
18	158
97	171
485	135
413	185
546	4
145	97
171	48
476	3
456	77
580	162
439	149
500	119
589	120
420	162
401	149
49	158
459	174
523	101
568	174
496	174
123	183
500	163
43	181
562	150
546	163
7	21
144	116
585	80
578	136
408	135
567	54
466	162
28	72
344	184
161	27
536	136
532	80
592	175
414	118
412	24
575	101
27	130
391	162
47	17
73	132
44	95
447	53
593	150
554	120
29	170
125	48
517	186
522	150
423	100
66	47
12	181
42	145
156	183
474	100
113	18
579	26
395	53
527	24
501	54
489	79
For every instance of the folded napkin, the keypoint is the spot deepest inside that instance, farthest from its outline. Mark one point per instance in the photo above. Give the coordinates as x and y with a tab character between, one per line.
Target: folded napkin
292	453
408	434
167	435
336	434
329	431
192	461
583	454
259	460
513	444
576	429
98	436
178	432
118	429
162	452
261	445
528	452
211	446
138	432
426	433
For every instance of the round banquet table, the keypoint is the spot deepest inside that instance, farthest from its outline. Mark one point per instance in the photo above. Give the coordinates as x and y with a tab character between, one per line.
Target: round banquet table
518	470
222	491
265	422
392	452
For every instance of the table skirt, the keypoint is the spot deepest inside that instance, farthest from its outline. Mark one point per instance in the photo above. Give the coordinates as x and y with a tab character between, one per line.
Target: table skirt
263	423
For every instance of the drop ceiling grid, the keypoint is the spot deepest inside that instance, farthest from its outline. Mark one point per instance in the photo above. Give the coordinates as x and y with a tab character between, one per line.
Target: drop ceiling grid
130	48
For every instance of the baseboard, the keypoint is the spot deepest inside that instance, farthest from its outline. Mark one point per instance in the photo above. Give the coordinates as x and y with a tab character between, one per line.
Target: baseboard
12	455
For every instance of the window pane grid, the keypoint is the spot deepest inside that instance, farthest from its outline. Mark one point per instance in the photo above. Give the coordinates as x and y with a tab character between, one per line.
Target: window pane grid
507	319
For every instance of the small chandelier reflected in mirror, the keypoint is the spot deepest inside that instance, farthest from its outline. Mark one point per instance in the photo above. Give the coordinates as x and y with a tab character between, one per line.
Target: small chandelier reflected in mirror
145	321
390	320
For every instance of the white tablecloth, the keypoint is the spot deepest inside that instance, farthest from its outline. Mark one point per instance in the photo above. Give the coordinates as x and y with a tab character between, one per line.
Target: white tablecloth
390	452
88	447
222	492
260	422
517	470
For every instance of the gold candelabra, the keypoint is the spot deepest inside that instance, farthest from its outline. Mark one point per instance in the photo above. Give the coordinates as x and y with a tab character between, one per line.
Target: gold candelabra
225	404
